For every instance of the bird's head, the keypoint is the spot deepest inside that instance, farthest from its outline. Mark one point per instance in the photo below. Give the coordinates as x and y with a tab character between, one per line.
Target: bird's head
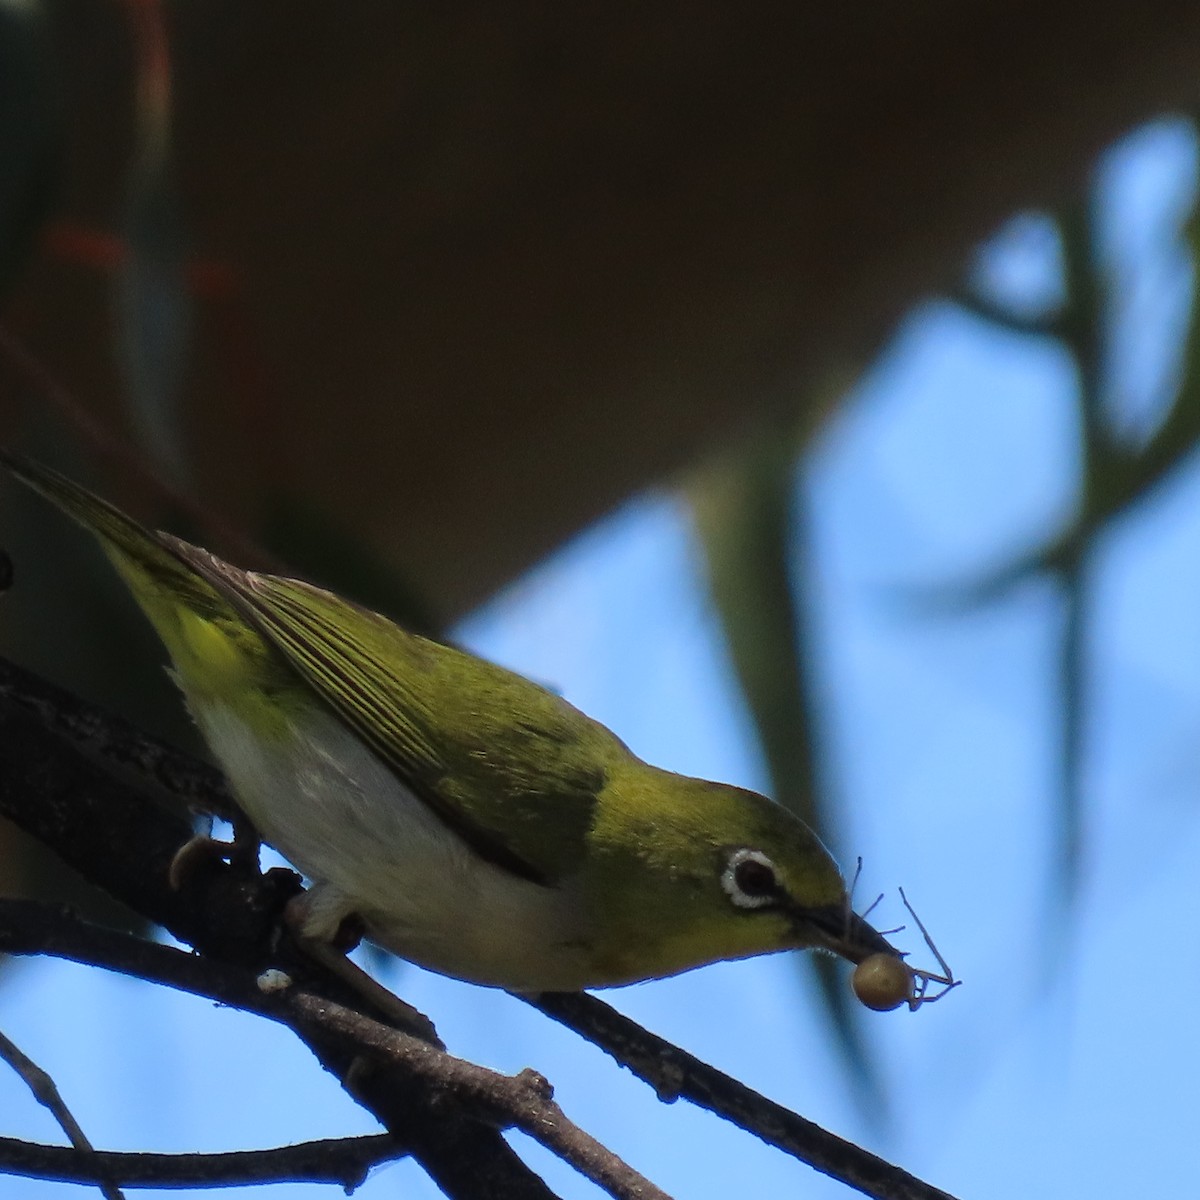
696	872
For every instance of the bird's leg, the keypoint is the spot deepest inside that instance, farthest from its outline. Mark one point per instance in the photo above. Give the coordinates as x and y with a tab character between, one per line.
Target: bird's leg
307	917
303	919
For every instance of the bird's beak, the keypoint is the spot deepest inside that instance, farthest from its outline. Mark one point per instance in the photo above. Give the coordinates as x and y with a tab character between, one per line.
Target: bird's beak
844	932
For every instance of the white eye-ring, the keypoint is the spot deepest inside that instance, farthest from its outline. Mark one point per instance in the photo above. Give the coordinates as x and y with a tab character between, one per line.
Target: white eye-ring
749	879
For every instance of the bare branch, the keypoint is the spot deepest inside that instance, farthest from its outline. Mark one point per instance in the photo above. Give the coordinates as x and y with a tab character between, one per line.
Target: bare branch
523	1101
46	1092
344	1161
675	1074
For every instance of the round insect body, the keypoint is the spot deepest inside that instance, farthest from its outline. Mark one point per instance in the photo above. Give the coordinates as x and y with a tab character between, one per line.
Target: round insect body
883	982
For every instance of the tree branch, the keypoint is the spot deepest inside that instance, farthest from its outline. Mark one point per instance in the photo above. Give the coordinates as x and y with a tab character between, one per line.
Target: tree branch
523	1101
46	1092
675	1074
344	1161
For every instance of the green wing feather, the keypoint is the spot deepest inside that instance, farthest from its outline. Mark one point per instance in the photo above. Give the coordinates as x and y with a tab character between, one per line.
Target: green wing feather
487	749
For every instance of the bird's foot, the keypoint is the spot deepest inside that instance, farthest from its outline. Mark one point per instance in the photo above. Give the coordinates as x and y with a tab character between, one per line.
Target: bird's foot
199	855
195	859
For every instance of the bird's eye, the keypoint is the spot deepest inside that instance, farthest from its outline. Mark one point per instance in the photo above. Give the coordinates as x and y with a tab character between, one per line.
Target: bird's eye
749	879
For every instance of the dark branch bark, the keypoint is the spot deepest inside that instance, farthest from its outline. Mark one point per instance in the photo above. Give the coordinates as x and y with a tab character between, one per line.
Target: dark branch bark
344	1161
45	1091
674	1074
523	1101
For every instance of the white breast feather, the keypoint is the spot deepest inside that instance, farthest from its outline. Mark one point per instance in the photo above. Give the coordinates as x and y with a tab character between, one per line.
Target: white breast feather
371	847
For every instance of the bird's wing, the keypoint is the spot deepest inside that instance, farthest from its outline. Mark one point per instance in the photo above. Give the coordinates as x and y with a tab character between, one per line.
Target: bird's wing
512	768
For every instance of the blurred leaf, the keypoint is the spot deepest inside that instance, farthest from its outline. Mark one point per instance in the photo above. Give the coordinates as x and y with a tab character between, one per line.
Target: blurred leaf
1179	434
756	557
969	297
29	133
1085	329
154	306
1113	480
1082	326
743	516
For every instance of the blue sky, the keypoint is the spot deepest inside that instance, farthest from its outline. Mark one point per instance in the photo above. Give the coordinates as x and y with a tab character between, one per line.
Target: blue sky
1067	1063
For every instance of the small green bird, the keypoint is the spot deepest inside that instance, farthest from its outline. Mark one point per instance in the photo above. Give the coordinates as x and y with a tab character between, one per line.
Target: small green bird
476	823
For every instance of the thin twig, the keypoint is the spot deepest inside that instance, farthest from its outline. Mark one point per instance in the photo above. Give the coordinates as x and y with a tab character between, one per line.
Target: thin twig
344	1161
45	1092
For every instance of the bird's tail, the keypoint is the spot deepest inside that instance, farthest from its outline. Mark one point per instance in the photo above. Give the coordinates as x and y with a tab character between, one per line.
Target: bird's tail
144	558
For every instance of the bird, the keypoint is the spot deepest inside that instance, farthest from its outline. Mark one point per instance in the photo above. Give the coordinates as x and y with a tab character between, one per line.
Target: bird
471	820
